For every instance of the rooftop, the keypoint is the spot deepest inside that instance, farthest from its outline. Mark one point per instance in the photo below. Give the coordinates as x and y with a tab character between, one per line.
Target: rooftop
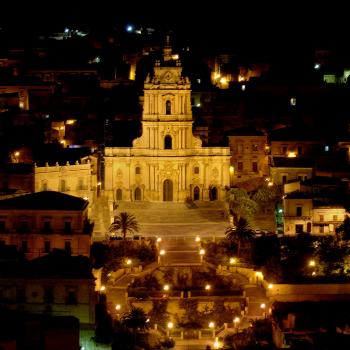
45	200
297	162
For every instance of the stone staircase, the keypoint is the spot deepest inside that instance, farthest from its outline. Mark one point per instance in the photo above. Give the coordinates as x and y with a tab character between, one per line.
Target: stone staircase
170	218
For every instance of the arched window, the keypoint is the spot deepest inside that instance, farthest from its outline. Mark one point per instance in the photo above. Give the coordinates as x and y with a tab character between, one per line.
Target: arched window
138	170
63	186
196	193
168	107
167	142
196	170
119	194
213	194
44	186
137	194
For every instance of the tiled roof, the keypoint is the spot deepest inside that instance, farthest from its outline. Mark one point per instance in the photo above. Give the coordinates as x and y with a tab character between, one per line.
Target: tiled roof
45	200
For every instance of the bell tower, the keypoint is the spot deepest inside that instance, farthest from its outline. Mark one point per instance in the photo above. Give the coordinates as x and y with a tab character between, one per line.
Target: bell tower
167	113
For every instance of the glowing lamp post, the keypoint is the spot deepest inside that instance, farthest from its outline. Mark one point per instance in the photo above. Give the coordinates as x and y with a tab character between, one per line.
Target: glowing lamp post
161	253
236	321
170	327
233	262
212	327
201	253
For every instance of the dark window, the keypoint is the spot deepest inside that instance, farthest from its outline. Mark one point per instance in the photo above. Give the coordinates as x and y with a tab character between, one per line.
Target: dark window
196	193
167	142
44	186
240	166
67	227
321	218
47	226
138	170
335	217
24	246
21	295
24	226
167	107
71	296
284	149
255	167
300	150
213	194
68	247
308	227
299	228
299	211
255	148
284	179
47	246
321	228
2	226
48	295
196	170
119	194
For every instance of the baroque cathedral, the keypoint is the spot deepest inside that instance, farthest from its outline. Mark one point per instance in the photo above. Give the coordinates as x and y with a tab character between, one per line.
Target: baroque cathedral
167	163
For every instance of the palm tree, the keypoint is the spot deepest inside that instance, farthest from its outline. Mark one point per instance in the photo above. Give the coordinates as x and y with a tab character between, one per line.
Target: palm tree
136	319
241	234
124	222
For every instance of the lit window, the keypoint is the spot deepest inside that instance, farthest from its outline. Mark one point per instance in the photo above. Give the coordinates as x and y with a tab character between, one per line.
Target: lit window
326	148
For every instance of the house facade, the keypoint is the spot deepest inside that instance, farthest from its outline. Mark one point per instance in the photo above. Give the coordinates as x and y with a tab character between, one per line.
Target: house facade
39	222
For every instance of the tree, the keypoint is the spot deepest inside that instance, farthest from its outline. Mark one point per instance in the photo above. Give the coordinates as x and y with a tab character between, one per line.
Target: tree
344	229
124	222
241	234
266	195
135	319
241	206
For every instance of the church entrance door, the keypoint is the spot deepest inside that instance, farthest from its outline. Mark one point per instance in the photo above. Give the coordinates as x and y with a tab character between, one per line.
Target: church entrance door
168	191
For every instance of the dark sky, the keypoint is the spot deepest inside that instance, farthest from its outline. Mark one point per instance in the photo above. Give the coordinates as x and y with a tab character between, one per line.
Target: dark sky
253	23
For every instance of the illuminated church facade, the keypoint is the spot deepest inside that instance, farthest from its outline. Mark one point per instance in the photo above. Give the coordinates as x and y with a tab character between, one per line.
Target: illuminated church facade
167	163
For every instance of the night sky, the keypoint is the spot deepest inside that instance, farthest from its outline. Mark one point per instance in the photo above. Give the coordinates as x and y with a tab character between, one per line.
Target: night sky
246	23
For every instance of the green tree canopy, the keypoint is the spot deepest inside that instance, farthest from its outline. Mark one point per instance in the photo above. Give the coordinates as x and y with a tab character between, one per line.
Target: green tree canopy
241	206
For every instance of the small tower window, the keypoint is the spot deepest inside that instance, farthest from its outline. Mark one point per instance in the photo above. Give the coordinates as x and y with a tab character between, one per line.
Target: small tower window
167	142
138	170
168	107
196	169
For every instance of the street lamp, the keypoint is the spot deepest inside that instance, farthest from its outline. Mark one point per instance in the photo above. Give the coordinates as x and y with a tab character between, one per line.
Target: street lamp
236	321
128	262
197	239
161	253
201	253
102	289
117	308
212	326
166	287
233	261
170	326
312	263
